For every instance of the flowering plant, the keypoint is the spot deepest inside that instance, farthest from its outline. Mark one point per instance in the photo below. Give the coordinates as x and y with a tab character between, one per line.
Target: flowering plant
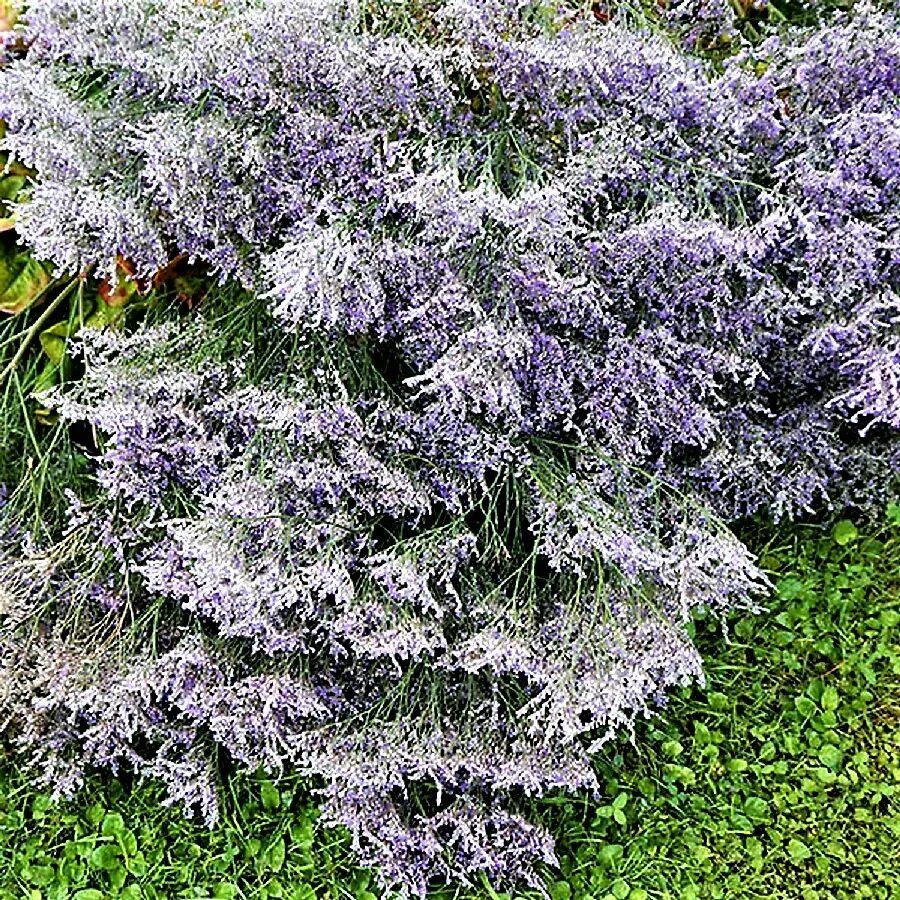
550	301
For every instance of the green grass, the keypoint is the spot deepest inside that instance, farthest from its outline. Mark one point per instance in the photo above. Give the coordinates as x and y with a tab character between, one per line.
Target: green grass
123	843
779	779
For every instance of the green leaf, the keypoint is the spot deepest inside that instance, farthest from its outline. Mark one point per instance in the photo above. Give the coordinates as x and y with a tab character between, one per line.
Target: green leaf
610	854
646	786
53	341
798	851
22	280
756	809
302	835
271	798
844	532
106	856
830	756
137	864
672	749
276	854
72	870
790	588
11	185
128	842
88	894
103	314
893	513
303	892
113	825
718	701
40	875
829	699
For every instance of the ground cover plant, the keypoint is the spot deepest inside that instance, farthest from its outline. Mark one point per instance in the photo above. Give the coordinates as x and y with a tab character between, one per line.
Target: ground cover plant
511	309
779	779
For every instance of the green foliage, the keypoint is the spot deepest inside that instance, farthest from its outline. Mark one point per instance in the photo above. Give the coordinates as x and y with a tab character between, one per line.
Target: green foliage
121	843
23	280
39	315
779	780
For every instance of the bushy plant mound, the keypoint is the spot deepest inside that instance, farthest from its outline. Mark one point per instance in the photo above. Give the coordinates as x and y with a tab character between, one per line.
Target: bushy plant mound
550	301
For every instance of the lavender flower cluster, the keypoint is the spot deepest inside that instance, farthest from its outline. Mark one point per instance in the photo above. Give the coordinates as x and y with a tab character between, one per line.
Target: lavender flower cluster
550	300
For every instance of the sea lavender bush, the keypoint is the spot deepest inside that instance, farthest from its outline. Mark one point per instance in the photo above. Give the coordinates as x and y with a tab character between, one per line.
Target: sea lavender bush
332	594
550	301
